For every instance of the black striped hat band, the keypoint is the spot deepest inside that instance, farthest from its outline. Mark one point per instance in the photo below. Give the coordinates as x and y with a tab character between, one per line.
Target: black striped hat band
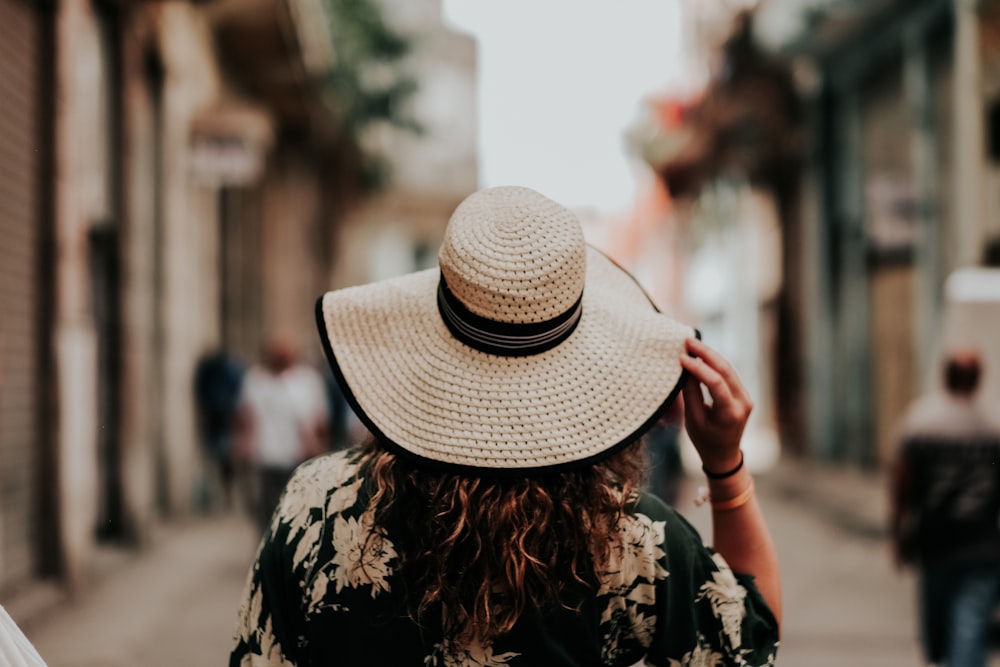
508	339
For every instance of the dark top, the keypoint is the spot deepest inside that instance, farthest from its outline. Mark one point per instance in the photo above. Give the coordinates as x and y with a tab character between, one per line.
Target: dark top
951	447
324	591
957	498
218	381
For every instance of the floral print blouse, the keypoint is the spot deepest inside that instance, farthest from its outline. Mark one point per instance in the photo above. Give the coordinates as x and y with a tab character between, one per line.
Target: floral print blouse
323	591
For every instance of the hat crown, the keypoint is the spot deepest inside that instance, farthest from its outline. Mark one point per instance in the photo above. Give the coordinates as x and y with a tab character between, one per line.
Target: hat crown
513	255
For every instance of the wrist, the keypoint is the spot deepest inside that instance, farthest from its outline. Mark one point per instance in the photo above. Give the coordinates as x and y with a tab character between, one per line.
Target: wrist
730	486
723	468
720	504
727	494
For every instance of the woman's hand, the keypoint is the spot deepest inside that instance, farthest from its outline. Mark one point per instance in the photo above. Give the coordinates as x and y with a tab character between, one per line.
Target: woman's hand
716	425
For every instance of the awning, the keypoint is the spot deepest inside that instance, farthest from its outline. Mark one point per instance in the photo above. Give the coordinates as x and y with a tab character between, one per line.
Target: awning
229	143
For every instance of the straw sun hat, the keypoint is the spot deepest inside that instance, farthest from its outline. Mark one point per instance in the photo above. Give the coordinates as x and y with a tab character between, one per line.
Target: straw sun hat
526	350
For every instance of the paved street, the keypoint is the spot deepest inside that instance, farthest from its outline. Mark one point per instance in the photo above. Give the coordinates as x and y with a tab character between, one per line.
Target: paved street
175	606
844	604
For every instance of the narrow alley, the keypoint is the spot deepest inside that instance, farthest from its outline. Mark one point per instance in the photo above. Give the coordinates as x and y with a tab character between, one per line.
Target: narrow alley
810	184
844	603
173	605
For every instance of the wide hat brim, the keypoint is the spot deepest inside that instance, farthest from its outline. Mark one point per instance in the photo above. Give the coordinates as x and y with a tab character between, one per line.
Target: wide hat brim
428	396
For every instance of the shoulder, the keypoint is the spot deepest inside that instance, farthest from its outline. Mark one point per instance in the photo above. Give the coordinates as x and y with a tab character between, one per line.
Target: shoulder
652	506
317	483
923	411
680	598
937	415
655	531
942	419
988	418
677	530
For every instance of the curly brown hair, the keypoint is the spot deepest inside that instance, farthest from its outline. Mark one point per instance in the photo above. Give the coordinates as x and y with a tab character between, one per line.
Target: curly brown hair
490	548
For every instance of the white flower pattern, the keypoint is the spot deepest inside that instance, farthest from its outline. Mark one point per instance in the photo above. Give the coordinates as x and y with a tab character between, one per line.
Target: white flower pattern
307	489
628	580
450	654
362	554
727	599
701	656
344	497
269	653
325	531
634	554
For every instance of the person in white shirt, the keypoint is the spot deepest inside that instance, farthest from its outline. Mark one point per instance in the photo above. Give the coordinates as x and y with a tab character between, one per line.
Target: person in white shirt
283	419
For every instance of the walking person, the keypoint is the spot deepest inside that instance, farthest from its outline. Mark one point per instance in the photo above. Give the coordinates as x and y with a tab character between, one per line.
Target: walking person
663	447
283	421
495	516
945	513
218	380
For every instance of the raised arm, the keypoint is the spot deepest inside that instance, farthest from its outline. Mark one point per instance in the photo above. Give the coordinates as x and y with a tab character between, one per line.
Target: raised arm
716	425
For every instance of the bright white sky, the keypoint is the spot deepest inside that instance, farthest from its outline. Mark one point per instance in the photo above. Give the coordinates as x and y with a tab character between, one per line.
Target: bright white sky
559	82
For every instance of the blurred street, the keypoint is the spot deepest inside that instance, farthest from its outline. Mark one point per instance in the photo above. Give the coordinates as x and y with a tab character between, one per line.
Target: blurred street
809	183
843	603
173	605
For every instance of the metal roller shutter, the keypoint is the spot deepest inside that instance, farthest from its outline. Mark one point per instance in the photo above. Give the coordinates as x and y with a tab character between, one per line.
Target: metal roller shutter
19	298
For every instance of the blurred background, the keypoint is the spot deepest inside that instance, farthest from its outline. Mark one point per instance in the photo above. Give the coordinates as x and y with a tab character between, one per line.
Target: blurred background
812	183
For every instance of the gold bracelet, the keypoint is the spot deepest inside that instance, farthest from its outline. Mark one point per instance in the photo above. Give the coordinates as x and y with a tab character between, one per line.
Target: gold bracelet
738	501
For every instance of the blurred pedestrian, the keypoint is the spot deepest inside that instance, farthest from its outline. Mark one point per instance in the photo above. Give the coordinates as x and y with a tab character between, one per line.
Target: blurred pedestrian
666	470
945	513
495	516
218	379
283	420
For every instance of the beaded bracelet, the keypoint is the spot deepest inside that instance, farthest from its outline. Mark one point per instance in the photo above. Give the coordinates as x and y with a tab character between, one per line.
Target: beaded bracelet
724	475
738	501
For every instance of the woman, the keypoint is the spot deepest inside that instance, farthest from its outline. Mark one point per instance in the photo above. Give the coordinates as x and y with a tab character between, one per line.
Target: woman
495	517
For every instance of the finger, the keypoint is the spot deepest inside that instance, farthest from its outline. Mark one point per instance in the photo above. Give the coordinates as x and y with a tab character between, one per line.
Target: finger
695	410
717	362
720	404
716	384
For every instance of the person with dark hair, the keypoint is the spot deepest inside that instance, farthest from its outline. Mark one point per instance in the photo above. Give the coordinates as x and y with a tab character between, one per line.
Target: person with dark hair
945	513
218	380
496	515
961	373
665	473
282	421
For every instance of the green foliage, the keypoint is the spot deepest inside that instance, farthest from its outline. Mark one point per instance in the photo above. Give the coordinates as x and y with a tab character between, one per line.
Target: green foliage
362	32
368	84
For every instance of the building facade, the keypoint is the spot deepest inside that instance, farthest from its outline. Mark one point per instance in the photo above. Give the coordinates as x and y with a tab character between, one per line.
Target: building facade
898	196
166	191
431	171
883	170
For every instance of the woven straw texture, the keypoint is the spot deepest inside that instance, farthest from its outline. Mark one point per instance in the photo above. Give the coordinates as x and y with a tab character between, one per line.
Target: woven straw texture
510	255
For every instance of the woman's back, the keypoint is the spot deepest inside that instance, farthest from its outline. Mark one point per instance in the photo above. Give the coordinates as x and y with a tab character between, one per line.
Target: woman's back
657	592
495	518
